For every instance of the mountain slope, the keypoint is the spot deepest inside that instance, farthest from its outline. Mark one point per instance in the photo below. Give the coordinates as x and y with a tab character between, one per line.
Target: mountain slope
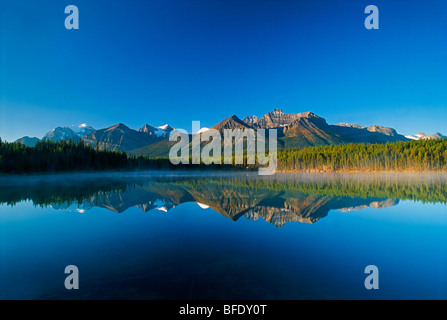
83	129
120	138
232	122
27	141
423	136
156	150
274	119
160	132
373	134
293	131
58	134
61	133
307	129
161	149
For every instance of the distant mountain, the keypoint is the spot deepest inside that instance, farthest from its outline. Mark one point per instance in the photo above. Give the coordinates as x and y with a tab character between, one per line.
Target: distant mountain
416	136
120	138
232	122
158	149
204	129
117	138
251	120
372	134
423	136
58	134
83	129
436	135
294	131
162	148
74	133
166	128
307	129
160	132
275	119
384	130
27	141
148	129
61	133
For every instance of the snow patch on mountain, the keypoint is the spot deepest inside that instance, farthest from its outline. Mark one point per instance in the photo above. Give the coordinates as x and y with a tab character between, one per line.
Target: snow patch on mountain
61	133
415	136
73	132
83	129
204	129
163	130
423	136
203	206
164	127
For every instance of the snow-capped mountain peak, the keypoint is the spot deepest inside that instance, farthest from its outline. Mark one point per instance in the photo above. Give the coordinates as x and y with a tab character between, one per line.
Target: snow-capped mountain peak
204	129
165	127
416	136
423	136
163	130
61	133
83	129
69	133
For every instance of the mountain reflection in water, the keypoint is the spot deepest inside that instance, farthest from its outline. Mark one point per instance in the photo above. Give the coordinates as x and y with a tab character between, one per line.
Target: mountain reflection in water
277	199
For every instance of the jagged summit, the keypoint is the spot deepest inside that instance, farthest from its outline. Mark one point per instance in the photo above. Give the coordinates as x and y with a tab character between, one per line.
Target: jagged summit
120	137
161	131
297	130
147	128
276	119
61	133
120	126
423	136
232	122
165	127
374	128
28	141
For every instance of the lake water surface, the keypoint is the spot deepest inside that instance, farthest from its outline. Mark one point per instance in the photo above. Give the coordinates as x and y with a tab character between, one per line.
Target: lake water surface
223	236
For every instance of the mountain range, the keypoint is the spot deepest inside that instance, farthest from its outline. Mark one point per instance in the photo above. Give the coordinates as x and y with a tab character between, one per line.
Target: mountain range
74	133
293	130
423	136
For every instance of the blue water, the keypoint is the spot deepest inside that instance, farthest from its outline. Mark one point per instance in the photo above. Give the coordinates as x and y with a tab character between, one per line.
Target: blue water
194	252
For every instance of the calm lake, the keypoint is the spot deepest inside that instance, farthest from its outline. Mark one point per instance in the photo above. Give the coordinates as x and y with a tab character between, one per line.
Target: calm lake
223	236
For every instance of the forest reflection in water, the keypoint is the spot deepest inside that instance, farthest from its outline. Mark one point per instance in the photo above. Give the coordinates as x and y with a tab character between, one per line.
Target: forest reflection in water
277	199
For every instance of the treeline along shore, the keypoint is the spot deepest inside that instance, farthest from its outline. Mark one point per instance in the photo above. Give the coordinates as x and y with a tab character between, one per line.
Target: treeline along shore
409	156
420	155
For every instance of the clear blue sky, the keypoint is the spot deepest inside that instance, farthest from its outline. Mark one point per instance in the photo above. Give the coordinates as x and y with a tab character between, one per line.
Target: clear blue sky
174	61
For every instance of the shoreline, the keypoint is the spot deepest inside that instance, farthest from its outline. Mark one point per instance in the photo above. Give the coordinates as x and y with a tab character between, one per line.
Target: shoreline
204	171
360	171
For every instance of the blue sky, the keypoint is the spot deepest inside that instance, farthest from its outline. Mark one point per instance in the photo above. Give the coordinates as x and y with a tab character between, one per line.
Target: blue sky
175	61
